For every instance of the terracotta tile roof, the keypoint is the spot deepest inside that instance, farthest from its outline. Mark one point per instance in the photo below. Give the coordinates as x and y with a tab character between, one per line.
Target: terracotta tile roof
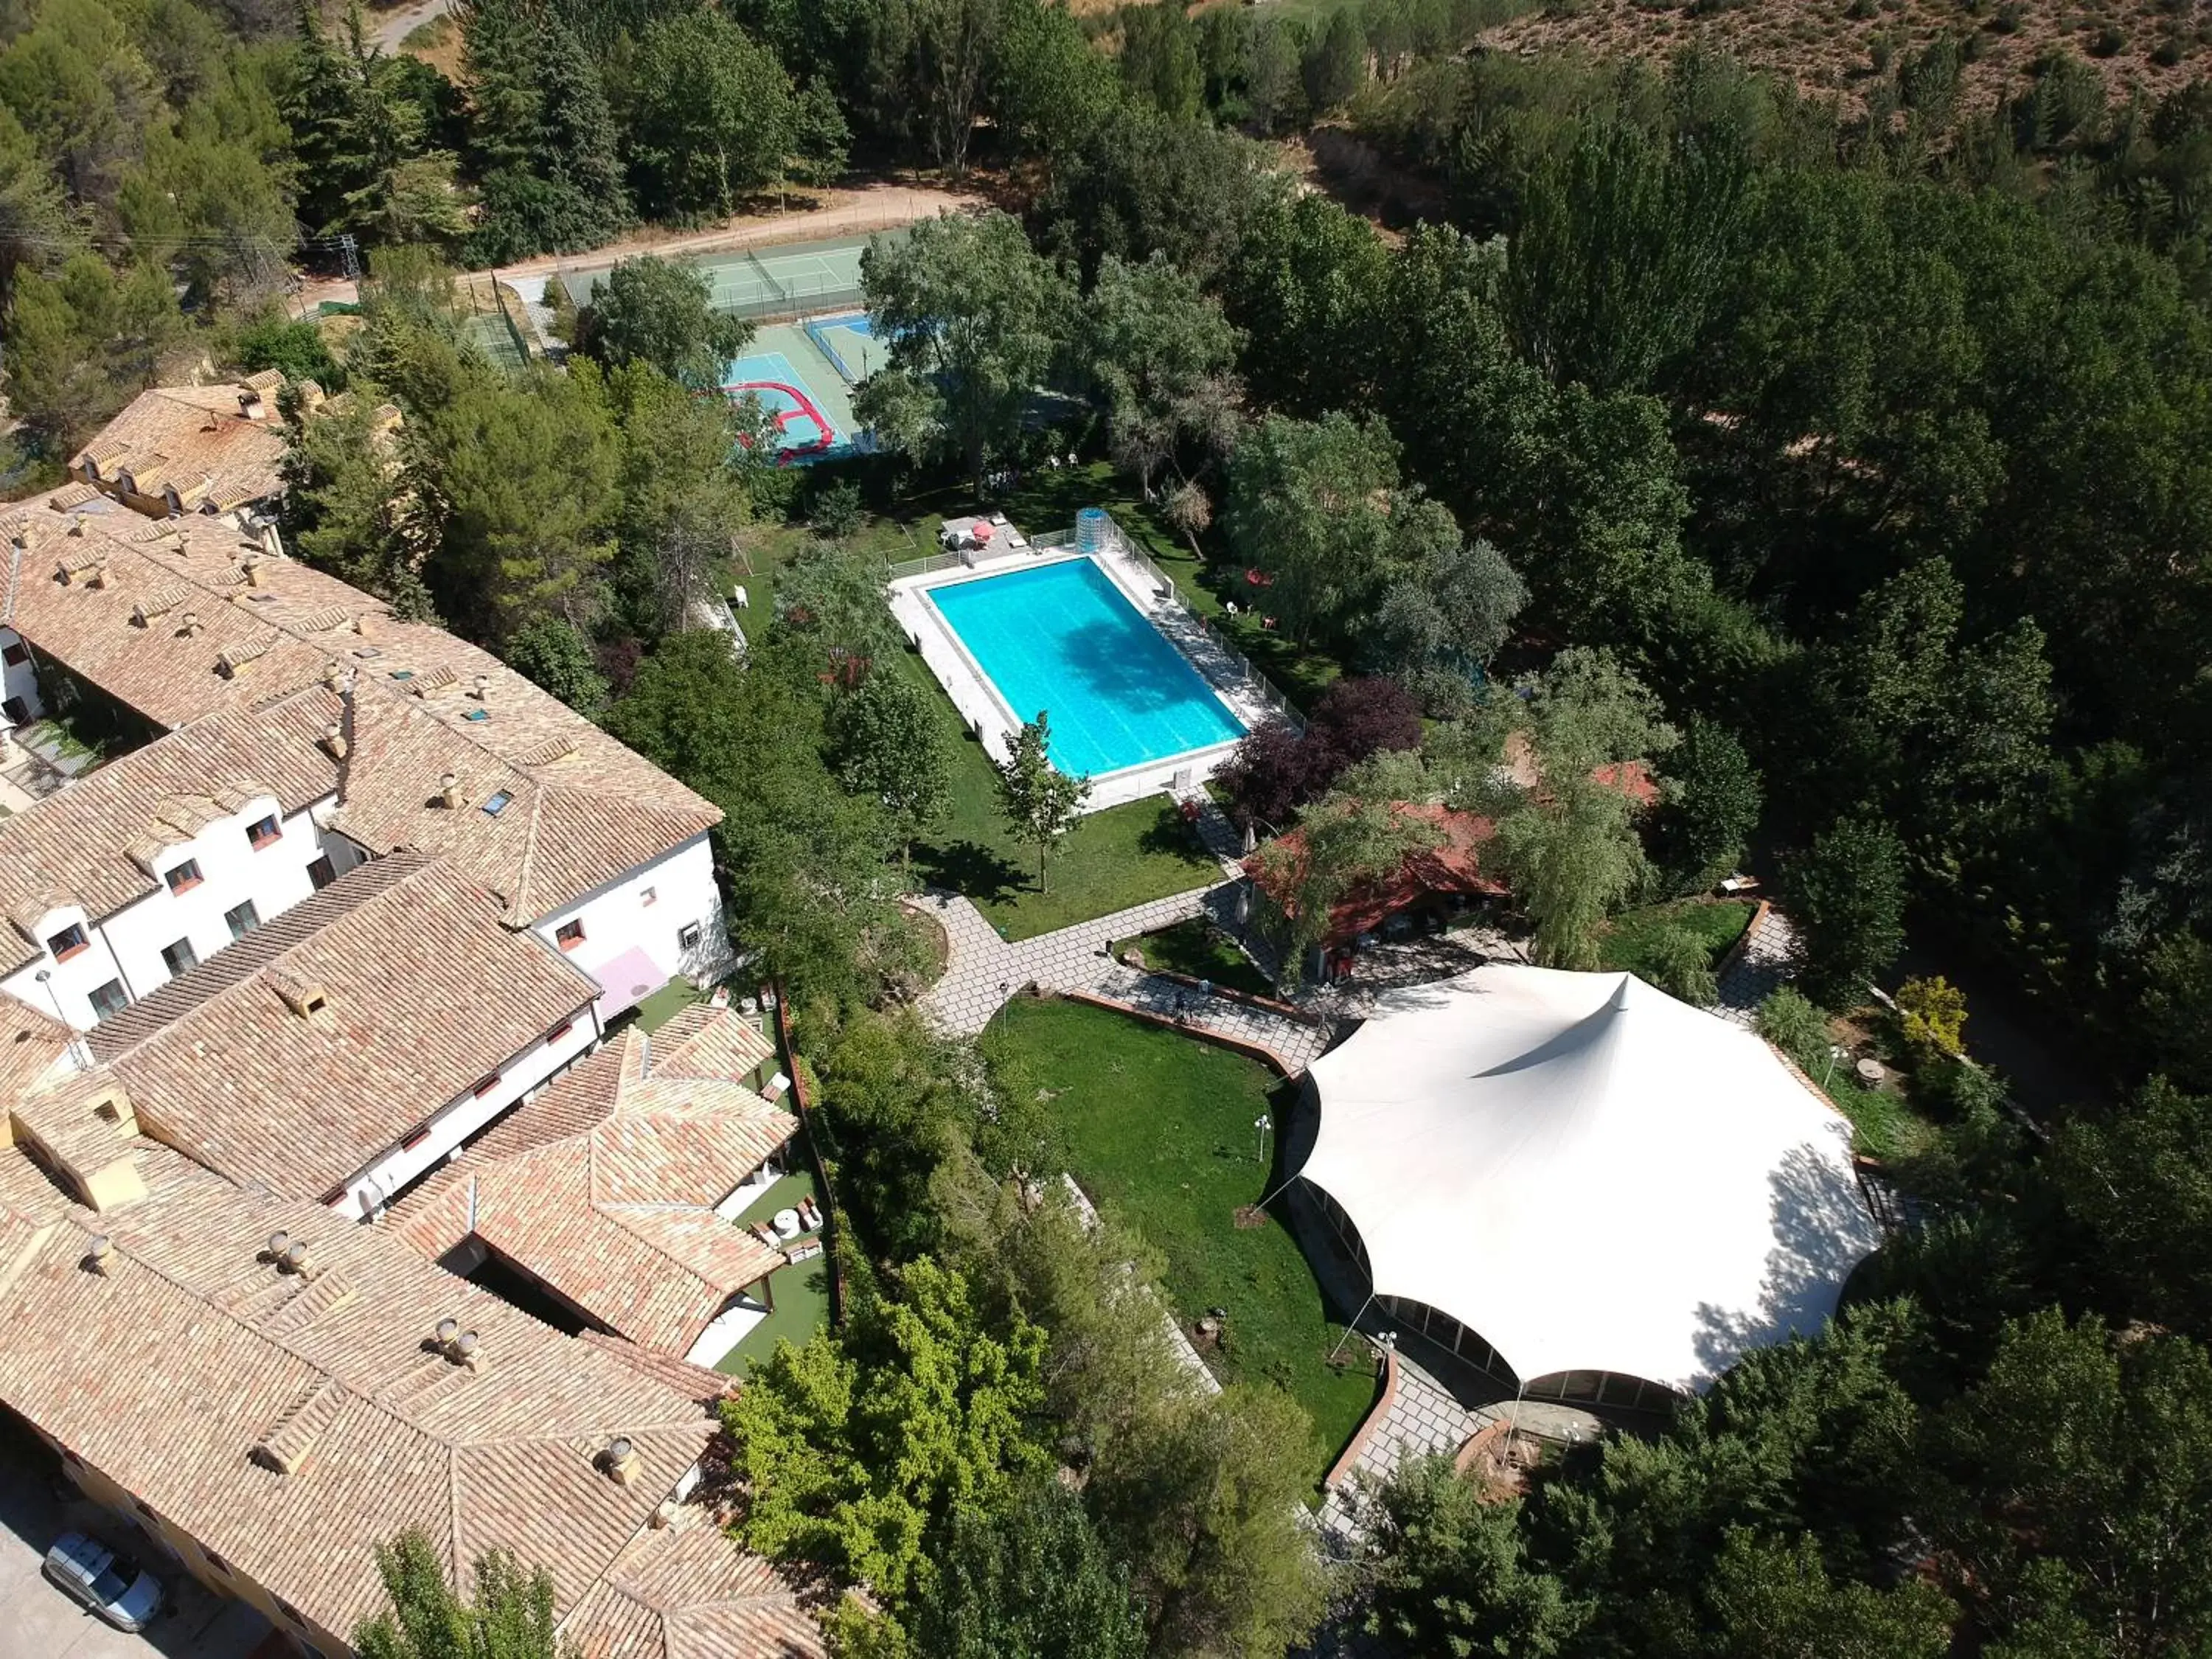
111	634
292	1422
1452	867
100	841
31	1046
582	809
196	438
604	1187
693	1381
681	1592
426	993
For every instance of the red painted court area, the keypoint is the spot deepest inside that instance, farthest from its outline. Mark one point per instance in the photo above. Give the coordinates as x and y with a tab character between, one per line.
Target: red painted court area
791	407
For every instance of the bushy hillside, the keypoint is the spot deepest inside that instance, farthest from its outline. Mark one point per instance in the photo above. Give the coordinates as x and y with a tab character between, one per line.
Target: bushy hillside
1845	48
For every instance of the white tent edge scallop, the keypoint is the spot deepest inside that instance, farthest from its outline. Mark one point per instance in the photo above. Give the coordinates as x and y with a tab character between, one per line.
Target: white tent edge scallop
1588	1174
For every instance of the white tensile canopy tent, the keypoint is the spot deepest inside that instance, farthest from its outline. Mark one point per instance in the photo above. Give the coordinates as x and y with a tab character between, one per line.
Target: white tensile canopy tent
1587	1174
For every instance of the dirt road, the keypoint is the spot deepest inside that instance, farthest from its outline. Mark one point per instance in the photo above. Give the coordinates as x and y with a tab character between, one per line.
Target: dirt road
392	28
840	212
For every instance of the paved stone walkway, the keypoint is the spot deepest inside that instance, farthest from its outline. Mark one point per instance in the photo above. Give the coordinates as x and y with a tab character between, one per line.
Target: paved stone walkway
1770	960
1423	1420
983	970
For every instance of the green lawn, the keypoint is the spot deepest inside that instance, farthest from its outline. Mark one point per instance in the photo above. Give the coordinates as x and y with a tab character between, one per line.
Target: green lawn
670	1000
1108	861
1200	950
802	1290
1633	938
768	547
1159	1127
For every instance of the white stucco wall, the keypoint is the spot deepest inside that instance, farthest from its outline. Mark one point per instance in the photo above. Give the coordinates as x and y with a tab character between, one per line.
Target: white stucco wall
458	1120
20	679
621	917
275	877
71	984
127	944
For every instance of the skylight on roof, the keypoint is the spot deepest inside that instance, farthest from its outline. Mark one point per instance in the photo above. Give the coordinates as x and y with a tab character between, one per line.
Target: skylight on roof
402	673
367	651
477	714
498	802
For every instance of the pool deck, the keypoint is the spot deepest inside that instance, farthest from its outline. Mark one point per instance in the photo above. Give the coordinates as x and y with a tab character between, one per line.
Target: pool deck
995	723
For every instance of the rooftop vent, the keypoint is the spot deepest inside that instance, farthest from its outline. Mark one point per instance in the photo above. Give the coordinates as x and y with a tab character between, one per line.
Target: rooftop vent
100	1254
158	604
548	753
620	1460
238	656
303	996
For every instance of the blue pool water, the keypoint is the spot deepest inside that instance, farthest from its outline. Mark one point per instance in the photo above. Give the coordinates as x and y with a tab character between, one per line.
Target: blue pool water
1061	638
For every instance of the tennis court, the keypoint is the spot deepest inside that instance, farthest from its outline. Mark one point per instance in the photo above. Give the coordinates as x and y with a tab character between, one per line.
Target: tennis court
849	344
788	281
791	376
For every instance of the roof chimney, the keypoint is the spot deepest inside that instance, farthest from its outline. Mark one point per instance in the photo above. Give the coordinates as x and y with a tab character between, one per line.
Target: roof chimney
484	688
449	791
334	743
447	1331
100	1254
333	674
279	1241
252	566
466	1349
249	404
296	1258
191	624
620	1460
98	576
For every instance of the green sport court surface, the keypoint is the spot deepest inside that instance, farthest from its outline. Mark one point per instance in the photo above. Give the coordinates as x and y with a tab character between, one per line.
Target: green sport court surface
786	281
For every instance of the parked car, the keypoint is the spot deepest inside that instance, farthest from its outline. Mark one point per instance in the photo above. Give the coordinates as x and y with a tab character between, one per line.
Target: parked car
111	1586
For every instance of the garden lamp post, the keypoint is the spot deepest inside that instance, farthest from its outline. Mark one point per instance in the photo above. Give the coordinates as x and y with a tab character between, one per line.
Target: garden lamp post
1260	1123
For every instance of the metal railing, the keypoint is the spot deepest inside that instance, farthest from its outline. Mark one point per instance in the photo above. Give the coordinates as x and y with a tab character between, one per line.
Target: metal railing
1164	585
928	565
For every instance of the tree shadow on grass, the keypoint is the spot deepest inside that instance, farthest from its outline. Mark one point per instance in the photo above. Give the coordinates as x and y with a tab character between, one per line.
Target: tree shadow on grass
973	869
1168	832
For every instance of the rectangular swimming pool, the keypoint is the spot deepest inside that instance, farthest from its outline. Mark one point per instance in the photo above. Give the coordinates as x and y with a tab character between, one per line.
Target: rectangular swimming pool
1063	639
